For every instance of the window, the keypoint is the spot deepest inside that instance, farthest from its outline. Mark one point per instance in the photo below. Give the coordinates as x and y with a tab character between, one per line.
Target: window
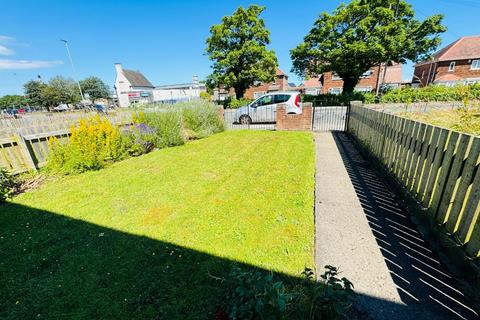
475	65
263	101
335	76
363	89
335	90
281	98
451	67
367	74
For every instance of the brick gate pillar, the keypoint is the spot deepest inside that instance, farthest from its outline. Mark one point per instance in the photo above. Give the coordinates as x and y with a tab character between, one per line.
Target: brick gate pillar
295	122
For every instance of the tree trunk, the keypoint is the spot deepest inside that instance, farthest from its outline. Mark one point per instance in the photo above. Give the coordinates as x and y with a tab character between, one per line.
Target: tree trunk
240	91
349	84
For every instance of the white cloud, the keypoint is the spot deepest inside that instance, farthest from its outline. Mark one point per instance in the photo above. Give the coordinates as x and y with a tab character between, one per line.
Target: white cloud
4	51
6	39
27	64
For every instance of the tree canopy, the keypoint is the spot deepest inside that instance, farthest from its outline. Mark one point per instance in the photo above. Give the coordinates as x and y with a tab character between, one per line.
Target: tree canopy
95	88
33	92
13	100
238	48
364	34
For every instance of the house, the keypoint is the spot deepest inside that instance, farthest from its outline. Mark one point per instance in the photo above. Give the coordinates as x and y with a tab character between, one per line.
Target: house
312	86
280	84
457	63
376	77
132	87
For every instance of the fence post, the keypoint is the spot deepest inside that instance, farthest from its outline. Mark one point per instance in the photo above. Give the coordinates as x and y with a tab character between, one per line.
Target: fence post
26	151
349	109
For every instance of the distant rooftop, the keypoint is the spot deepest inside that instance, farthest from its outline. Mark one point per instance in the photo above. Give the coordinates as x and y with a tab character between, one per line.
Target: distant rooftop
137	79
462	49
180	86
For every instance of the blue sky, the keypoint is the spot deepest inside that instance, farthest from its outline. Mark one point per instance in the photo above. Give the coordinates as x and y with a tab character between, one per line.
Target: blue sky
163	39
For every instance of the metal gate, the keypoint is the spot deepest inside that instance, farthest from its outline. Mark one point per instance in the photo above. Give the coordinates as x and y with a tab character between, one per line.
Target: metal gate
330	118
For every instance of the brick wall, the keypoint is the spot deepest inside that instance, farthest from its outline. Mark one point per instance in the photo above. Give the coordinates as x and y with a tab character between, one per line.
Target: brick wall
295	122
393	75
421	74
462	69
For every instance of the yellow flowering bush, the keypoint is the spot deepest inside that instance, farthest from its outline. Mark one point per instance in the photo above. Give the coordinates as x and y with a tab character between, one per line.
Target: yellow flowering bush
92	144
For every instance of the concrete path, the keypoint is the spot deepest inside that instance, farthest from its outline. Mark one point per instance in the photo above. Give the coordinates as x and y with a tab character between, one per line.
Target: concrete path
361	229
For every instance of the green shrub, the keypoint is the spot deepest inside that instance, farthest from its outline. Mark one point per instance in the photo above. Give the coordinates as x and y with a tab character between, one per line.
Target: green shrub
168	127
140	139
338	100
201	119
260	295
8	184
234	103
92	144
433	93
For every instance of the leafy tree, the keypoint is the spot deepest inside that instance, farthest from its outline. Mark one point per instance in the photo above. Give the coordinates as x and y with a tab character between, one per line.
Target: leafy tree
66	90
33	92
238	48
364	34
95	88
12	101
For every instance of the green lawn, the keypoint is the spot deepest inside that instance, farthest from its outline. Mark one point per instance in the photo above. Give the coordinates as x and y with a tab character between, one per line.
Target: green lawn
143	238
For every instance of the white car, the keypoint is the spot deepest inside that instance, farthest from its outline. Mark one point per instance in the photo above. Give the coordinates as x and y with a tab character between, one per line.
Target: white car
61	107
264	109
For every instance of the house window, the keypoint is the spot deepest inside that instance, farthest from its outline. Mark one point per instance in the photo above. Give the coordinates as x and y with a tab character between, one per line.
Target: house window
367	74
475	65
451	67
363	89
335	76
335	91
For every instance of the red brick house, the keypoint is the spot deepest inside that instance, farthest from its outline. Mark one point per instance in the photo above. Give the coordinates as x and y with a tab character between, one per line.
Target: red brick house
376	76
457	63
280	84
329	82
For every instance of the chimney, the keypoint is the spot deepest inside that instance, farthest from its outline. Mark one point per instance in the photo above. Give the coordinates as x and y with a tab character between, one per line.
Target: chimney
118	68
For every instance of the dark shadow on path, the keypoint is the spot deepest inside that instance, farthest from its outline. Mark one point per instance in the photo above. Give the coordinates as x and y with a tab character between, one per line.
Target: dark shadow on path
424	285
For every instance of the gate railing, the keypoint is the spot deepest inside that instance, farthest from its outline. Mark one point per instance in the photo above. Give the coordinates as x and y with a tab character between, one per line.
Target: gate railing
437	166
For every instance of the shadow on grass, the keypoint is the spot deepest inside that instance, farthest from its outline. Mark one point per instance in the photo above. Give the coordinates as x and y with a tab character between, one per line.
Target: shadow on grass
54	267
424	285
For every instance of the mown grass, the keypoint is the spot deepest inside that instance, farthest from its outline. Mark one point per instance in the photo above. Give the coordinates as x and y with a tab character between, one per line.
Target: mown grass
149	237
462	120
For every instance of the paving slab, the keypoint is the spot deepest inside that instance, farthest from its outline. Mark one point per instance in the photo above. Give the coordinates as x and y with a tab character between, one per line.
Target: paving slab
362	229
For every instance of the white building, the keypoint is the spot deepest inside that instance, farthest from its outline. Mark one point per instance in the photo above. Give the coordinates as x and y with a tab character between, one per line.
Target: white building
133	87
178	92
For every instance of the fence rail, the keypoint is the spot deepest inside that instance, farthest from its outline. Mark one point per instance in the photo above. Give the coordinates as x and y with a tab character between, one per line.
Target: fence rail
24	142
439	167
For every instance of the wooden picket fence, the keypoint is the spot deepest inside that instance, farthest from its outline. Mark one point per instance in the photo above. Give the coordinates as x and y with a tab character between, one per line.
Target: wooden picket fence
24	142
437	166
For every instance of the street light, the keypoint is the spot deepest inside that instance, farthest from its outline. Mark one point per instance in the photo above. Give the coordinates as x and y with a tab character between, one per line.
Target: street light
73	68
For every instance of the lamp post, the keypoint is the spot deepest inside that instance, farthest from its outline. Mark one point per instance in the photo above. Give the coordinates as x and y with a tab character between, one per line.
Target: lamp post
73	68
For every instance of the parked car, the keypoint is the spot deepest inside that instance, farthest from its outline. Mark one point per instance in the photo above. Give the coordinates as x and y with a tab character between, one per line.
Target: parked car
100	108
264	109
61	107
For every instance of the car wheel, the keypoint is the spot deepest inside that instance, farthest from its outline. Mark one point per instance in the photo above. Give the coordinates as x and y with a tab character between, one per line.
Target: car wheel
245	119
